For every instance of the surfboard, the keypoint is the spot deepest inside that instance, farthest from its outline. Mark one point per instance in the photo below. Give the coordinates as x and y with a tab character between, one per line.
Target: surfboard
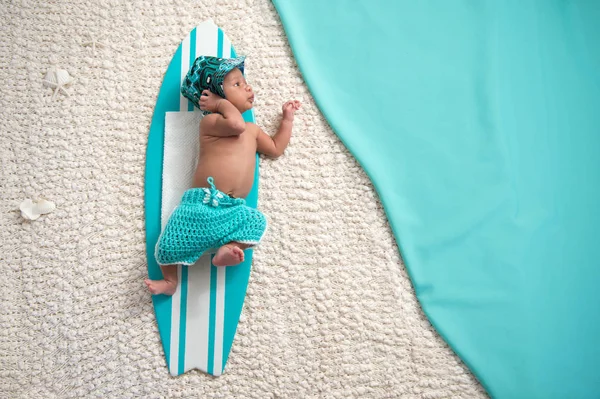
197	324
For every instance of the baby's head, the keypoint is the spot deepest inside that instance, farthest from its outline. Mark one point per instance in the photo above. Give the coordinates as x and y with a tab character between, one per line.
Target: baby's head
222	76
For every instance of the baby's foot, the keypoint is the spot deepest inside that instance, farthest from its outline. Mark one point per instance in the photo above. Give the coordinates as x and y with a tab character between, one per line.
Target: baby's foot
228	255
157	287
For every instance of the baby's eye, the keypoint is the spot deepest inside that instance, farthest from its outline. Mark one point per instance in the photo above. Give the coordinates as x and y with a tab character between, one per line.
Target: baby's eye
236	84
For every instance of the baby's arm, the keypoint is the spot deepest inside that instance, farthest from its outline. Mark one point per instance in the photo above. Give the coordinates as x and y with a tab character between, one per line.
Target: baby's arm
225	119
276	145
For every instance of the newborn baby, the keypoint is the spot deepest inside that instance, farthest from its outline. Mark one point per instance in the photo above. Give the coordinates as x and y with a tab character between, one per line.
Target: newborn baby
213	216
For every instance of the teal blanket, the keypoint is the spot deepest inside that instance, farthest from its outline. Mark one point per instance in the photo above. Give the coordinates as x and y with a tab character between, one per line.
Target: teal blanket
479	124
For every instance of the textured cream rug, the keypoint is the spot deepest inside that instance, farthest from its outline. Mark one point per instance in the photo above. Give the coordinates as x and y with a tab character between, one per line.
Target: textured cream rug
330	311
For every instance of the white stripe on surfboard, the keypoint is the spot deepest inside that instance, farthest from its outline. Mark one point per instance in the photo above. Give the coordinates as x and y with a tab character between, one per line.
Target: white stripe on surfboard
207	37
185	66
226	47
220	297
174	342
176	298
219	322
198	292
198	313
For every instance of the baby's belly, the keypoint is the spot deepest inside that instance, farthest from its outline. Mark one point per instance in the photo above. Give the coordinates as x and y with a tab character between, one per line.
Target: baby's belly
232	175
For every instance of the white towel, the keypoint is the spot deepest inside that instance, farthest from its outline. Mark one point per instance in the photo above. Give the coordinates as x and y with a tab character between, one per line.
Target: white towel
181	149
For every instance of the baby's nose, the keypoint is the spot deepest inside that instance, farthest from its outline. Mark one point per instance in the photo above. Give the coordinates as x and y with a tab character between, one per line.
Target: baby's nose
248	88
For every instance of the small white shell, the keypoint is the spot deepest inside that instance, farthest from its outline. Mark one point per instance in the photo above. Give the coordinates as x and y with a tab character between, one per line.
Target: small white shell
32	210
57	77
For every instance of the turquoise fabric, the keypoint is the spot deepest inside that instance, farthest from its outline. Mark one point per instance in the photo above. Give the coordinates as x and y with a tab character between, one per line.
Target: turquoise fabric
478	123
205	219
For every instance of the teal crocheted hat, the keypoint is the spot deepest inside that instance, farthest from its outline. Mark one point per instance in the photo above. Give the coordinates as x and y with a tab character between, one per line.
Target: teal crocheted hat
207	73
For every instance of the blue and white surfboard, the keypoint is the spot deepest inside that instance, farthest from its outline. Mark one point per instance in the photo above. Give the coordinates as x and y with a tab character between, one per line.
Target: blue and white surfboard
197	324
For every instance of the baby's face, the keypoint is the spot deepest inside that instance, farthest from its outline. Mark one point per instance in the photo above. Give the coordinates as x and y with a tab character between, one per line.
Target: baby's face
237	91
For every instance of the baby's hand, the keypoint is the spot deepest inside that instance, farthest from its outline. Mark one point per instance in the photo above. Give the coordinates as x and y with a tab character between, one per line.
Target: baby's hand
289	108
209	101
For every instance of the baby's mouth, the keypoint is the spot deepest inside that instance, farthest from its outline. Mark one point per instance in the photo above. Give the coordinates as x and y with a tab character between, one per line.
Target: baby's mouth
251	98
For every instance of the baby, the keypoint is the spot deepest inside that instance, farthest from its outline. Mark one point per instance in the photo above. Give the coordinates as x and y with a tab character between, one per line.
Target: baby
213	216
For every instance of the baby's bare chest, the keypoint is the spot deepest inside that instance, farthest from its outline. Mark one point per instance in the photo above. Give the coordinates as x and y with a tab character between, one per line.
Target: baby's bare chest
242	145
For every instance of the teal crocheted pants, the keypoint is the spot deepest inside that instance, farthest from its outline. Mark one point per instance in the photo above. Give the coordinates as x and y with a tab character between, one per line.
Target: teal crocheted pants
207	219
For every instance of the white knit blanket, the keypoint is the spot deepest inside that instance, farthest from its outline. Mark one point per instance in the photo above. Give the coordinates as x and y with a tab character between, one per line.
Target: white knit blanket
330	310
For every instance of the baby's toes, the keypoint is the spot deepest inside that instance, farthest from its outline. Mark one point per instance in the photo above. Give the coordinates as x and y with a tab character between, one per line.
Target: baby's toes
240	254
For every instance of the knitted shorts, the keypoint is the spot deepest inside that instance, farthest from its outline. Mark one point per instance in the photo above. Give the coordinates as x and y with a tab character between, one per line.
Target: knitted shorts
207	219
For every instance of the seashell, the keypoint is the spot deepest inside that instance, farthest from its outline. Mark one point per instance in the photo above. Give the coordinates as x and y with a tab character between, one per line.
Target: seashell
57	77
32	210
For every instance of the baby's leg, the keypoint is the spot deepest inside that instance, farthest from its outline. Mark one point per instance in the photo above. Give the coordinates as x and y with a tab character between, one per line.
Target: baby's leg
166	286
230	254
